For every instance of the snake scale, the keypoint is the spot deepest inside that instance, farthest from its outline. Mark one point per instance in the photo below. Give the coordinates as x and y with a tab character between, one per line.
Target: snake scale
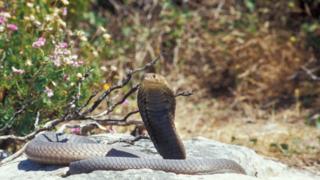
156	103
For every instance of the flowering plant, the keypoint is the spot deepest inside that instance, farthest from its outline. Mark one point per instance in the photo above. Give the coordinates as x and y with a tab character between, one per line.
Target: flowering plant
41	61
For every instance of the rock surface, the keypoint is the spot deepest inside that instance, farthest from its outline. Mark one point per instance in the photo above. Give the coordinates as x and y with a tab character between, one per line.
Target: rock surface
257	167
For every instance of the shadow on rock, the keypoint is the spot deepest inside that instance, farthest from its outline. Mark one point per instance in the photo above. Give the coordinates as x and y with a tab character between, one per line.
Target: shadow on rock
28	165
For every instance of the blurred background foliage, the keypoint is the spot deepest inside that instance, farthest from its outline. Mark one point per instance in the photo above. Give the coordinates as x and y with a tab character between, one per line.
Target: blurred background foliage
258	52
248	61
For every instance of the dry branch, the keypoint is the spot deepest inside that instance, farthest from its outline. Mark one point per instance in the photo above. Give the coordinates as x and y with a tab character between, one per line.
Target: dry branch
116	122
183	93
119	85
112	107
48	126
36	123
130	141
13	118
310	73
87	102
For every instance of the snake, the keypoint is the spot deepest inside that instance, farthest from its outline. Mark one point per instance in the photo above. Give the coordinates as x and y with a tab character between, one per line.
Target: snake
156	103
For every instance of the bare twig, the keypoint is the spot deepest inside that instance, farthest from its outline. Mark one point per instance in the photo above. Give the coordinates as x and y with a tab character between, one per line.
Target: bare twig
304	68
24	138
310	73
112	107
36	123
48	126
183	93
120	122
87	102
51	124
103	96
129	141
13	118
148	65
82	126
117	122
116	6
119	85
218	9
75	99
130	114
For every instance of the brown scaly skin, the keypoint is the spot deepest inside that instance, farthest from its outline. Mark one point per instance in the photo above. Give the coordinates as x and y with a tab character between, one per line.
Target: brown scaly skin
156	104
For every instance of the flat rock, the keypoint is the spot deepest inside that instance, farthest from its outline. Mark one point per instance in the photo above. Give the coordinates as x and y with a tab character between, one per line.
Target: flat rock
256	166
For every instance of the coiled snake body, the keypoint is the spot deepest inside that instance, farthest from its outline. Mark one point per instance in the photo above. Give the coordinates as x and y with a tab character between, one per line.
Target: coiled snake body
156	104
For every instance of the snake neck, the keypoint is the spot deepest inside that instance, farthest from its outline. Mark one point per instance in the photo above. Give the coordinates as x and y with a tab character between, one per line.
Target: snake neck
156	104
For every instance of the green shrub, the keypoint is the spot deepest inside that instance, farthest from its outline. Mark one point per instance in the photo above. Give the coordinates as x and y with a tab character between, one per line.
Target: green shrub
41	60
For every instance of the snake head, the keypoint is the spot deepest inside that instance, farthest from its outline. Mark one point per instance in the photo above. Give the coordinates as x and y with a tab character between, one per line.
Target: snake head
155	78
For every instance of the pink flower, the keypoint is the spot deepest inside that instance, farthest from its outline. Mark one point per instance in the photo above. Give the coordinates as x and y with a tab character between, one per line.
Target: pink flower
56	62
111	129
125	102
17	71
64	11
80	62
76	130
39	43
2	20
12	27
63	45
49	92
66	77
77	63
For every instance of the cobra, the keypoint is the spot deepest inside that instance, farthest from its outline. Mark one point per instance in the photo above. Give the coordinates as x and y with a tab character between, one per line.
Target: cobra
156	103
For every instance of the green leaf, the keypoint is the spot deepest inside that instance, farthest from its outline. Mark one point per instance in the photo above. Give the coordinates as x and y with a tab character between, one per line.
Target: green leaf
250	4
318	122
41	82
